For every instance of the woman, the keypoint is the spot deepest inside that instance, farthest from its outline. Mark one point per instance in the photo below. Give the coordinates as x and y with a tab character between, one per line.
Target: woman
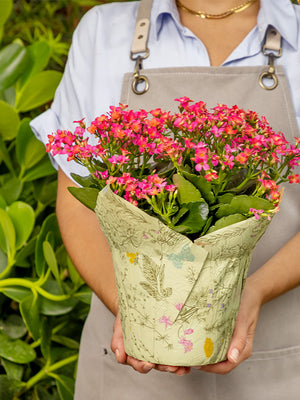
228	49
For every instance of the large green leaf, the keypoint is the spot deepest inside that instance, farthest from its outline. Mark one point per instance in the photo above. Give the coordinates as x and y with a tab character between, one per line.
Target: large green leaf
24	253
9	387
15	350
187	192
29	149
53	307
202	184
39	55
65	386
23	217
6	7
12	369
226	221
42	169
11	189
49	225
3	260
45	190
195	219
17	293
5	157
46	335
84	294
7	234
13	60
51	261
30	311
13	326
38	90
9	122
242	204
87	196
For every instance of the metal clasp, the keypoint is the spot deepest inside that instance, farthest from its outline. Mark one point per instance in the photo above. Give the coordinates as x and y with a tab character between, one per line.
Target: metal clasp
270	74
140	83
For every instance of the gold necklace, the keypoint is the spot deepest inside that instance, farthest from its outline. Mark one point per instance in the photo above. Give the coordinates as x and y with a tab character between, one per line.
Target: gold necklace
225	14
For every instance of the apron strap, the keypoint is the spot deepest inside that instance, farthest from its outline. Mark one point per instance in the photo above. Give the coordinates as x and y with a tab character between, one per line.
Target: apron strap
139	44
271	49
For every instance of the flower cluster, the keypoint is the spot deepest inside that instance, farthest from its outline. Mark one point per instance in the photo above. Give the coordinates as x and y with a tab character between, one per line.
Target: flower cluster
197	170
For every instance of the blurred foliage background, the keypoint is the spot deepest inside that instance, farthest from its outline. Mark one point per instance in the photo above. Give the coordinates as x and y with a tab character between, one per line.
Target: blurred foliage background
43	300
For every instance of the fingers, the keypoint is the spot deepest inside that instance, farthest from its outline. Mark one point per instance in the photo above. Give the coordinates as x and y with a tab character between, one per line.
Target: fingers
117	341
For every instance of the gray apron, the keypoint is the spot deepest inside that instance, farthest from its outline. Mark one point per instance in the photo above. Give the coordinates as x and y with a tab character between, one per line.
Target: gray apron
273	370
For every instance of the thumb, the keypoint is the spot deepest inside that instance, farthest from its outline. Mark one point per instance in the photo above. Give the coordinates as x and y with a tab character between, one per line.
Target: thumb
117	341
238	349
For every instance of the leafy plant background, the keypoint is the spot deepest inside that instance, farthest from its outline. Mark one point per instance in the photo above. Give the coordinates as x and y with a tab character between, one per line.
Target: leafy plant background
43	300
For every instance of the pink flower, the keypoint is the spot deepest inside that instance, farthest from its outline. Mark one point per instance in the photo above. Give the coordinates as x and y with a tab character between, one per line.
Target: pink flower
165	320
294	178
187	344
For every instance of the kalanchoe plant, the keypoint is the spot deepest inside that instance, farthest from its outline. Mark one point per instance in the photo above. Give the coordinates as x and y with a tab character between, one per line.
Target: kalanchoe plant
196	170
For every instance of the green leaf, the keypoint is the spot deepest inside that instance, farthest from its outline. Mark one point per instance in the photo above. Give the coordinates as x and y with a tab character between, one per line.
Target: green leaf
24	253
51	260
13	326
6	7
15	350
49	225
195	220
73	273
12	369
5	157
7	235
226	221
13	60
46	335
3	260
9	121
38	90
45	190
66	341
29	149
52	307
23	217
242	204
30	311
41	393
9	387
39	55
187	192
87	196
84	294
65	386
202	184
85	181
11	189
17	293
3	203
42	169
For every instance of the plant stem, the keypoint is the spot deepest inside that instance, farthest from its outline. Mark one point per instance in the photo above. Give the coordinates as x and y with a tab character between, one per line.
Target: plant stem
47	371
32	285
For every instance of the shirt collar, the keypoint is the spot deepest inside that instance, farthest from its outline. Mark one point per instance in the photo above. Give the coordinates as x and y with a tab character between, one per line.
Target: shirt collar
282	17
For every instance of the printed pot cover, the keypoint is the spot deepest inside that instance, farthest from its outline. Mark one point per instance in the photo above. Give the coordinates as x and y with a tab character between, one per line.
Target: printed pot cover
178	299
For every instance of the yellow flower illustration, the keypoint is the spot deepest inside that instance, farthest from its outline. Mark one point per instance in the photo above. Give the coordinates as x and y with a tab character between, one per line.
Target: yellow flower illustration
208	347
131	256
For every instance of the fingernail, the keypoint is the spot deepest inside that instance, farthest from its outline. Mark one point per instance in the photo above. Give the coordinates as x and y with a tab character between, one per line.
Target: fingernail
198	367
147	368
234	355
171	369
117	353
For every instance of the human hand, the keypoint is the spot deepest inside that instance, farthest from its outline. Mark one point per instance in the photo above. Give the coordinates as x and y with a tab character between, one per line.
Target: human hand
240	347
117	346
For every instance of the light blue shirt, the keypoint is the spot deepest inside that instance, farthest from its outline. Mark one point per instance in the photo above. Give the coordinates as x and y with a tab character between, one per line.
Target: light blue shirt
100	55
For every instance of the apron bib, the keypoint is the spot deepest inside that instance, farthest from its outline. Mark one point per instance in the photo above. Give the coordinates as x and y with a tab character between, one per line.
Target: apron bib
276	353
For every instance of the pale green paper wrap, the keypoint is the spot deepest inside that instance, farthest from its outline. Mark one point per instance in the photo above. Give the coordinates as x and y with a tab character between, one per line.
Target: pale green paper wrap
178	299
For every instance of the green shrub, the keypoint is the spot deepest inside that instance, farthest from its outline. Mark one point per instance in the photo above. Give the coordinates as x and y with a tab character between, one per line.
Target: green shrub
43	300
